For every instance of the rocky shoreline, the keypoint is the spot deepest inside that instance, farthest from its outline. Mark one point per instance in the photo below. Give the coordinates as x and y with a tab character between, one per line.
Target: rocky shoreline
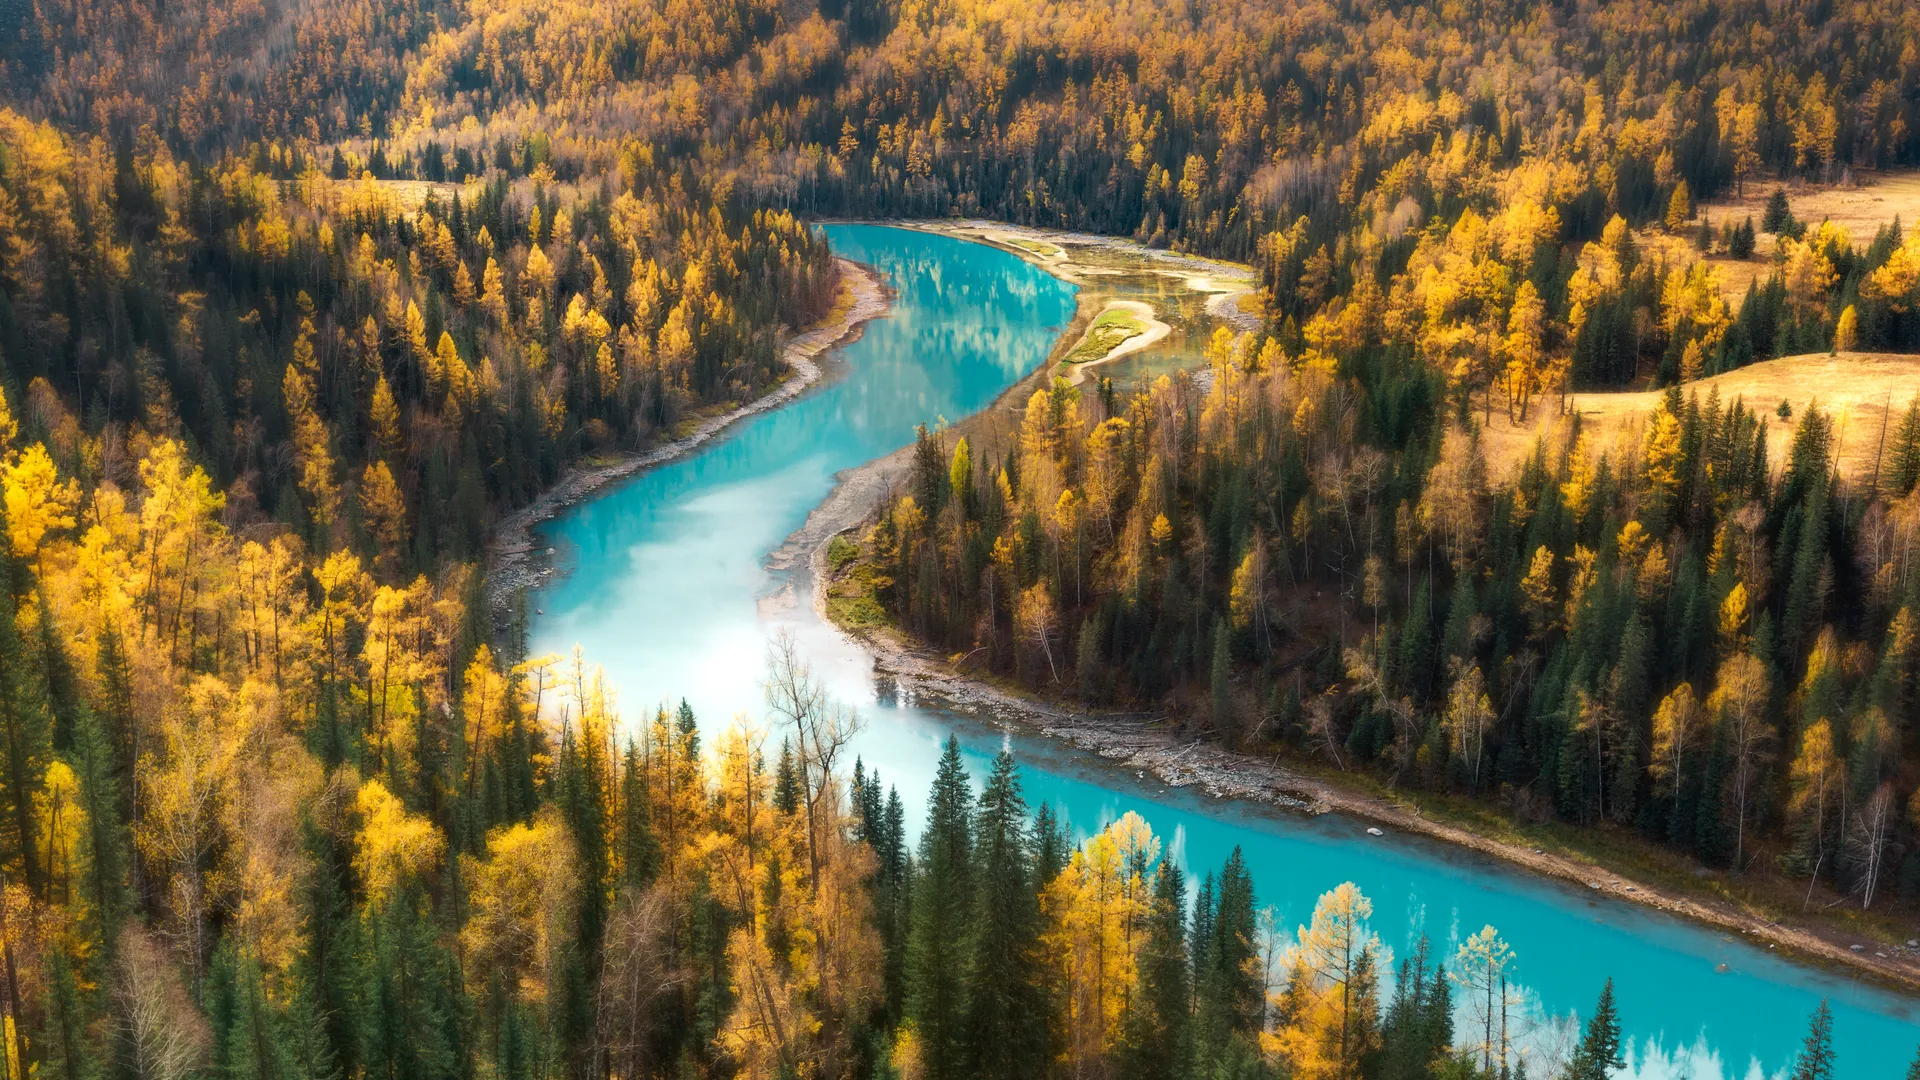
513	560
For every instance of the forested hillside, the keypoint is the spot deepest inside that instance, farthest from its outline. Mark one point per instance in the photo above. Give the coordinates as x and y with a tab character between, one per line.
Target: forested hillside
297	298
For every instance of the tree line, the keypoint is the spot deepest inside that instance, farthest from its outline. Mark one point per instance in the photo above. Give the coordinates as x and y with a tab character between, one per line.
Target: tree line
1671	634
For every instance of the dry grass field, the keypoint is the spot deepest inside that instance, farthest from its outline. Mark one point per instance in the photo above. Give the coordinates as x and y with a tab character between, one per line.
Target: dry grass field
1871	201
1862	392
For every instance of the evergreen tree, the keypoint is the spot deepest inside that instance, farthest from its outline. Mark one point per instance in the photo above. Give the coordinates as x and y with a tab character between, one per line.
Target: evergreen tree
414	1015
1051	848
1157	1029
1419	1024
1007	1015
1776	216
1906	451
893	901
939	945
1816	1053
786	781
639	847
1229	995
1599	1050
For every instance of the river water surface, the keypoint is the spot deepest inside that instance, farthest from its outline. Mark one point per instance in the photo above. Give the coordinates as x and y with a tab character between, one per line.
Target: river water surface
667	587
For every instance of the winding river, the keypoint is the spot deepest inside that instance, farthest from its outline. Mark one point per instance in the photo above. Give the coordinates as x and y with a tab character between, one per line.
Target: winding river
669	588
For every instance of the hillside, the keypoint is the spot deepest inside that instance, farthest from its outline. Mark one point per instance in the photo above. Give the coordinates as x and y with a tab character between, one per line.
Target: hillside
1854	389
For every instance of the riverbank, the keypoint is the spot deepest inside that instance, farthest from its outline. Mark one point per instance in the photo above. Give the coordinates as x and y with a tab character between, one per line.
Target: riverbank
513	560
1147	743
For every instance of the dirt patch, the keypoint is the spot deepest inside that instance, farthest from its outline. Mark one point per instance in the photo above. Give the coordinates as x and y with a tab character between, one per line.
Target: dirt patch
514	563
1863	393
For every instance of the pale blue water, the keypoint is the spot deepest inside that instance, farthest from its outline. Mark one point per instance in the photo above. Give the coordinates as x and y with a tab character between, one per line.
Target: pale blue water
669	590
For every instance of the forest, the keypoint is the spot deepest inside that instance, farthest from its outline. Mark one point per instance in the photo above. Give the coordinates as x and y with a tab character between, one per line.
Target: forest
298	299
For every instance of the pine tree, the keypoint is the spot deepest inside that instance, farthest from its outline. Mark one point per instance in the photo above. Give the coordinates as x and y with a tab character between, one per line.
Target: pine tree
1906	451
939	946
1229	995
1419	1025
1006	1001
1777	215
413	1021
1599	1050
639	847
893	901
1158	1029
1816	1053
786	782
1051	849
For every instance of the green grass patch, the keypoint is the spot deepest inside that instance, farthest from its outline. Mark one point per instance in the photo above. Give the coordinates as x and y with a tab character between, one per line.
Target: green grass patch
1107	333
1038	247
840	552
861	612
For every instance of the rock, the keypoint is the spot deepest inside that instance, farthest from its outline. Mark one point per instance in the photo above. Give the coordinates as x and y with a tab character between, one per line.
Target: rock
1858	948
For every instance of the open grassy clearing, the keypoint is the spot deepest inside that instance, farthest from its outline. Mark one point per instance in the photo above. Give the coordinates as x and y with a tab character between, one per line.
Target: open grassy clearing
1038	247
1862	392
1871	202
1114	327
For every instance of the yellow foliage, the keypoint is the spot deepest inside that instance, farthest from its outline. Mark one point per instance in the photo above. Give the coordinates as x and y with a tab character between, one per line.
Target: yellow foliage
394	848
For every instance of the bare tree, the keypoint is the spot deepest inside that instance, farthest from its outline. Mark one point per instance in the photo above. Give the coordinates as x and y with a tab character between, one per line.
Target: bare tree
822	729
1867	839
639	973
165	1037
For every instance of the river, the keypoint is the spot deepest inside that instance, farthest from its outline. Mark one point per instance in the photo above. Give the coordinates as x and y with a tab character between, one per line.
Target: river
667	586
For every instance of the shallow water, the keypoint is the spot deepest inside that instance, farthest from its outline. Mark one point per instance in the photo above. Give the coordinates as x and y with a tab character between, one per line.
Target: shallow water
669	590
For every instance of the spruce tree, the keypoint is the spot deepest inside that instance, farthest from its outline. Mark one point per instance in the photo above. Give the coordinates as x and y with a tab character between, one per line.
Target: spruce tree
25	745
1051	848
1906	451
786	781
938	948
413	1029
1419	1023
1007	1016
893	901
1599	1049
1157	1028
639	847
1229	996
1816	1053
1776	216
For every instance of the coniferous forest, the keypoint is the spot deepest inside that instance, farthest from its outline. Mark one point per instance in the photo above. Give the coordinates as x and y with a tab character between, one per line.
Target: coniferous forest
297	300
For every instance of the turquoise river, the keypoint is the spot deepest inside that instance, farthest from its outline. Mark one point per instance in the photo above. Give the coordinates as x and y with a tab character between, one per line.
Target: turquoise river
666	584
